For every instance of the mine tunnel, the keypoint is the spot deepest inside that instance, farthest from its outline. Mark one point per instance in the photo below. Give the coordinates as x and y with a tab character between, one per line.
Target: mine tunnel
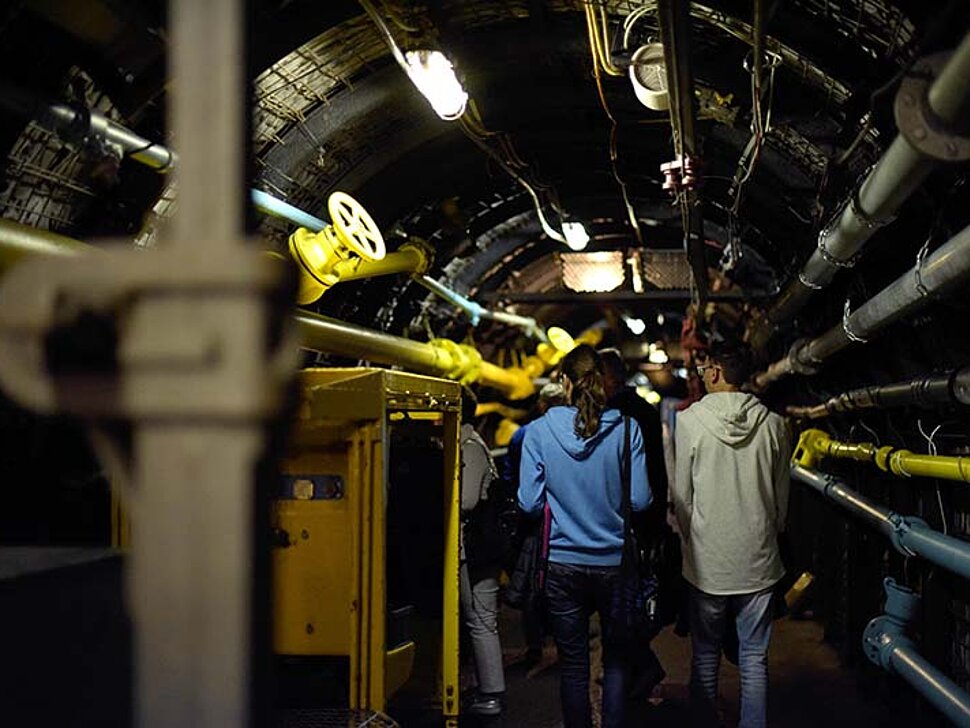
255	257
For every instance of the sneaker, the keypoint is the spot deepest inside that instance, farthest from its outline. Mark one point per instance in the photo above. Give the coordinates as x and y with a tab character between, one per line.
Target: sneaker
485	705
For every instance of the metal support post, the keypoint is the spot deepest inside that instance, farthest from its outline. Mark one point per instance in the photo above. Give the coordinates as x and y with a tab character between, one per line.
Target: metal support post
192	359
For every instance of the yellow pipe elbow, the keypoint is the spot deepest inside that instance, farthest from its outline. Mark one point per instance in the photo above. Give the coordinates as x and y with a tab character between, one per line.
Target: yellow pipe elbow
811	448
503	433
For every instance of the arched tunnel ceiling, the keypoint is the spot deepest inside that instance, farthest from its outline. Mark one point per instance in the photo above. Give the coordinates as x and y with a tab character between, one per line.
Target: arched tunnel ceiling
331	110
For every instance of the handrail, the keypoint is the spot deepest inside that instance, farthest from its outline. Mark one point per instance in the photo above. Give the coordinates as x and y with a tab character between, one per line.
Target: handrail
911	536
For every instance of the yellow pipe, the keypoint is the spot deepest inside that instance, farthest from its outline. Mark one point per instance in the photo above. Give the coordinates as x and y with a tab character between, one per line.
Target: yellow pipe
323	263
18	241
487	408
907	464
813	445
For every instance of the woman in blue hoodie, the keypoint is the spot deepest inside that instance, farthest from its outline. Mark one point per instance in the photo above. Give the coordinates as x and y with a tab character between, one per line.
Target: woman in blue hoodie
571	460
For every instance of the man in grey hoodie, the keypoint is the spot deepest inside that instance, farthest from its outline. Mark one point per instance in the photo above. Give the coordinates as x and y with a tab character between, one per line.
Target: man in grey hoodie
730	497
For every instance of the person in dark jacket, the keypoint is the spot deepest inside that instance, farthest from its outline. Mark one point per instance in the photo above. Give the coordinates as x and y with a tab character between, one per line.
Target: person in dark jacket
651	525
520	591
572	459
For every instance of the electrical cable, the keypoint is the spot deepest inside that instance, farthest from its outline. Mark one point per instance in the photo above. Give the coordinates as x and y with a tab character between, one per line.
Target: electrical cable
931	448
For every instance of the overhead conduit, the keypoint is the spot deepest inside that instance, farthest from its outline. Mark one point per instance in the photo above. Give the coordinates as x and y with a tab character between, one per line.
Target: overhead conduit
902	169
943	269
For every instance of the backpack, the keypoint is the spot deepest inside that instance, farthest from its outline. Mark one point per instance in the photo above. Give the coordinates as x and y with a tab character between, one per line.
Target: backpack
491	527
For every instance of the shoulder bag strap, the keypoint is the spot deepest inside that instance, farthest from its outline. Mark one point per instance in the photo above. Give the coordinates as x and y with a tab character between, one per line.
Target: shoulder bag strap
626	486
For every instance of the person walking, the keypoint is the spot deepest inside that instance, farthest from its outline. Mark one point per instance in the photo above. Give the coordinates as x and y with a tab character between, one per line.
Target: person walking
479	572
730	495
572	459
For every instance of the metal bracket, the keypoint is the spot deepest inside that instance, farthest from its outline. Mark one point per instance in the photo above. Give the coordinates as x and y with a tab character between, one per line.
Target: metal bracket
917	122
151	363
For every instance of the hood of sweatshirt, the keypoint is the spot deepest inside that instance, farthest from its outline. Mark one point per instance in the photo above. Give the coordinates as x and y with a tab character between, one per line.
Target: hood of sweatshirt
730	416
561	422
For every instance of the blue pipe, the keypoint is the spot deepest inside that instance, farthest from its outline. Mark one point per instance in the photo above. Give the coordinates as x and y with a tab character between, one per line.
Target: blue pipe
265	202
471	308
910	536
886	642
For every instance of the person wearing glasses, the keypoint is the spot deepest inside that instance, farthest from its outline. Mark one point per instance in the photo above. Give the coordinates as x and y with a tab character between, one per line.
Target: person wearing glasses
730	495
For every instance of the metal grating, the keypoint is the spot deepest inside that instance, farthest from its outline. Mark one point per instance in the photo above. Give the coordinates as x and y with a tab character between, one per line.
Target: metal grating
666	269
47	180
592	272
333	718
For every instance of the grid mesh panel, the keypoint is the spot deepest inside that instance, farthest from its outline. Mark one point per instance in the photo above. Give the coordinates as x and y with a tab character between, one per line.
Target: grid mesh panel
333	718
666	269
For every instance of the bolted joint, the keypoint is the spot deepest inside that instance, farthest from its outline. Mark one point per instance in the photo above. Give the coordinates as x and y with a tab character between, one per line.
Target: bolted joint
918	123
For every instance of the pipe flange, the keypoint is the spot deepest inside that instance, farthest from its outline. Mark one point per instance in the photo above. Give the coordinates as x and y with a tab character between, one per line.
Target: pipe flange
811	284
918	123
876	643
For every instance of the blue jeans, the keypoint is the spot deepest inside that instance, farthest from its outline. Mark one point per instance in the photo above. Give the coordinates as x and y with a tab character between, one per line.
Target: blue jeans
573	593
708	618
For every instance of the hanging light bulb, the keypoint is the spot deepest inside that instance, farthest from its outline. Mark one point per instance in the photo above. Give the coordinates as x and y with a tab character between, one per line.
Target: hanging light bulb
636	325
576	235
434	76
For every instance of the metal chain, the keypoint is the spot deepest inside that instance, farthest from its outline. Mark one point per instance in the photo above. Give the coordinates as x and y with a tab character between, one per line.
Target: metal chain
852	336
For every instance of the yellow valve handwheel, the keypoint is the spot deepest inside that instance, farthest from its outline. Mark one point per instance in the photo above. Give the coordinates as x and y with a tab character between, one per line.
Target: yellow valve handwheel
354	227
561	339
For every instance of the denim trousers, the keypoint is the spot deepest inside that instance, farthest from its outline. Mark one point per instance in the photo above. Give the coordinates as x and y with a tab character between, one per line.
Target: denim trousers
573	593
709	615
479	603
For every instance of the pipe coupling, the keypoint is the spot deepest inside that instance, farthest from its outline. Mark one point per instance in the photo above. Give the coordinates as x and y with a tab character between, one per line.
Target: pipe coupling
466	362
884	633
800	361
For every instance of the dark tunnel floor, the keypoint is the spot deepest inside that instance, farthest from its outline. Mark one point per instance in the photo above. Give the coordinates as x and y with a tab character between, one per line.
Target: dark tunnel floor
808	685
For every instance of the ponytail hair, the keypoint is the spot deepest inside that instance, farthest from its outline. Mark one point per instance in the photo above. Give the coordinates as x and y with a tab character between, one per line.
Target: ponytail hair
584	368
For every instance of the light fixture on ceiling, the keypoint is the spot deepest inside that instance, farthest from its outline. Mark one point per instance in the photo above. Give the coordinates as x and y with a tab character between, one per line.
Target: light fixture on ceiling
434	76
636	325
660	319
592	272
576	235
656	355
430	71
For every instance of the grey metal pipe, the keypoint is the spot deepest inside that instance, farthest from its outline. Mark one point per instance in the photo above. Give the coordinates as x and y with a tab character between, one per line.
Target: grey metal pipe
950	388
946	267
908	534
877	516
899	171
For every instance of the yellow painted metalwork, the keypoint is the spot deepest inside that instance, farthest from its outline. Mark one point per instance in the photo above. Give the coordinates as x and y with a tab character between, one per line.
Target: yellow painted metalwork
353	233
329	580
907	464
487	408
503	433
813	445
450	595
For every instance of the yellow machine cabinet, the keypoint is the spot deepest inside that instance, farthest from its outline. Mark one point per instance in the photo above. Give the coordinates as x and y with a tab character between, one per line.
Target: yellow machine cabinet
364	452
